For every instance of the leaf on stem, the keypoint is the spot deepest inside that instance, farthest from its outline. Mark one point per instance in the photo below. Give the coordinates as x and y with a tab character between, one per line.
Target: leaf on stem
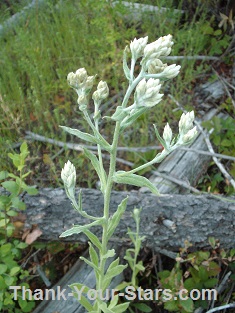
122	177
95	164
115	219
125	66
93	238
77	229
81	135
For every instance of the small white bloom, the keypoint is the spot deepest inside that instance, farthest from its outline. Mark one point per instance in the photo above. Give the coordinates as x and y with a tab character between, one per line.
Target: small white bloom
147	93
137	47
78	79
160	47
171	71
155	66
167	134
68	175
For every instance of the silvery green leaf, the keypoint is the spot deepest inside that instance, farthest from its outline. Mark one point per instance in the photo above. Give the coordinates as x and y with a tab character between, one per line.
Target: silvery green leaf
93	238
112	273
87	137
103	307
113	264
91	264
125	66
79	134
94	162
93	255
160	138
119	114
109	254
120	308
77	229
83	300
115	219
132	117
135	180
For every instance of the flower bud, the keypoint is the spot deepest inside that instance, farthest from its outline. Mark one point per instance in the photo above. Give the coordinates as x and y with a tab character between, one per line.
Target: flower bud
68	175
190	136
81	75
78	79
89	84
72	80
171	71
101	93
186	122
137	47
82	102
103	89
156	66
167	134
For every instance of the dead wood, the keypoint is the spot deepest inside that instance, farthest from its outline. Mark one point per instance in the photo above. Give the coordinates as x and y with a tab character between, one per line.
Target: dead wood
194	218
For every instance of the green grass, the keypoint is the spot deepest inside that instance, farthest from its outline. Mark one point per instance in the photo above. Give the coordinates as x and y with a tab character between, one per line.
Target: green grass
36	57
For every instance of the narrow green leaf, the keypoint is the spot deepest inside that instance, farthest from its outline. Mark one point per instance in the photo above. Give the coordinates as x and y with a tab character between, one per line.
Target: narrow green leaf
103	307
120	308
109	254
115	219
84	302
79	134
94	162
159	137
135	180
93	238
112	273
76	229
119	114
87	137
90	264
93	255
113	264
77	287
125	66
133	117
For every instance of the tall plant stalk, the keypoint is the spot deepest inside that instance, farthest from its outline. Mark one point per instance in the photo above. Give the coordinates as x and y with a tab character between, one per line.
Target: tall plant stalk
146	87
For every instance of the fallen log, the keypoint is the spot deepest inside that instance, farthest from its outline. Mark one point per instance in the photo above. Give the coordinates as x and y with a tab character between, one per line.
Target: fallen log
166	221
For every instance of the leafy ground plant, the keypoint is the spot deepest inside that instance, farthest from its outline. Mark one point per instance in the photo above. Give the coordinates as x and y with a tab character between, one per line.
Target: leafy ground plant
146	88
11	274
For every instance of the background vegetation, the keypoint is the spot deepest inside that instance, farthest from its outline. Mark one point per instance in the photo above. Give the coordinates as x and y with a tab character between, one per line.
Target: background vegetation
58	37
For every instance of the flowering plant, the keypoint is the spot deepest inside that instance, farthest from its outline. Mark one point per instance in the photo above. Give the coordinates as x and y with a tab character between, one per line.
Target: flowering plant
146	88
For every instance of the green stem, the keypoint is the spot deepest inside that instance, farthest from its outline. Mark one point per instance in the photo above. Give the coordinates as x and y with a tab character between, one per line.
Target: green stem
107	197
158	158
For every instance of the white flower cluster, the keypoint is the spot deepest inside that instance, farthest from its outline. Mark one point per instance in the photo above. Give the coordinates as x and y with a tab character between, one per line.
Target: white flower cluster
152	53
187	133
147	93
82	83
